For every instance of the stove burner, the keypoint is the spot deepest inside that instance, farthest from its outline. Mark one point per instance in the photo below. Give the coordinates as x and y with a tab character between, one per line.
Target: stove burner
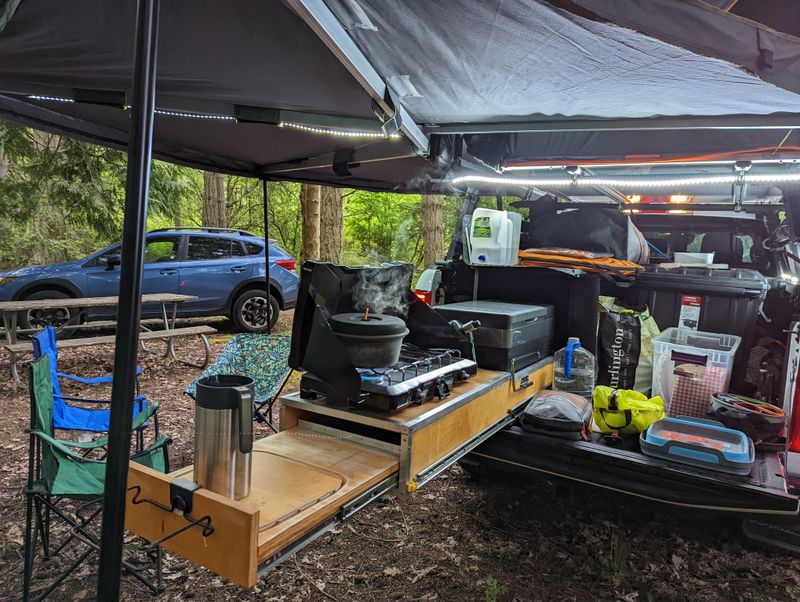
421	375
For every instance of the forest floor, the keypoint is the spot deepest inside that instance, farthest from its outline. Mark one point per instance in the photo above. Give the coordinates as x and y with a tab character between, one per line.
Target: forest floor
452	540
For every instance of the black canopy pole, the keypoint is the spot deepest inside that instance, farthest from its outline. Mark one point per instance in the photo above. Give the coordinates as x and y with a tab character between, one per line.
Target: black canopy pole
137	188
266	251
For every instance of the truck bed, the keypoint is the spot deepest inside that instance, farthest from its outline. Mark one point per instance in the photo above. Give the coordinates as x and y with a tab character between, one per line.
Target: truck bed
628	471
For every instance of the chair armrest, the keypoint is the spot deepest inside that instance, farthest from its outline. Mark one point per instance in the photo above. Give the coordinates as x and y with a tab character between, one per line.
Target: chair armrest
145	415
94	380
65	447
83	399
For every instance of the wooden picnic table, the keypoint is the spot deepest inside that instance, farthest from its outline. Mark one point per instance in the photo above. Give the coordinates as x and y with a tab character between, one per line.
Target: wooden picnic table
10	310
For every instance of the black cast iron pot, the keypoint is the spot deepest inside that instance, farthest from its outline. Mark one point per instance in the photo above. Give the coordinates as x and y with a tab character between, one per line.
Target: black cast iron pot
373	342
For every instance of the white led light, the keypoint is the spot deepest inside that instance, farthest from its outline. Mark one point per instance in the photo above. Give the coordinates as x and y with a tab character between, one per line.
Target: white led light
783	161
195	115
339	133
49	98
631	182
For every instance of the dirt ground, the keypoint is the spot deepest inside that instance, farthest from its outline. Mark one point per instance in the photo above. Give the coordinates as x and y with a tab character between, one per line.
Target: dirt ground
455	539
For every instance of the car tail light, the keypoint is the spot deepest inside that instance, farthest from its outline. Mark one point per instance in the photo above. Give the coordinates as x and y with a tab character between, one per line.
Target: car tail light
793	441
287	264
425	296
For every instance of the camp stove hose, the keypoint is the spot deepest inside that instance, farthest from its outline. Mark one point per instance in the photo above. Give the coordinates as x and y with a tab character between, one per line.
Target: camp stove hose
467	329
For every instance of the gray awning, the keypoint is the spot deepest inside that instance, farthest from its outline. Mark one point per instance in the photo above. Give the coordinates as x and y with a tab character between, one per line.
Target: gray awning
510	74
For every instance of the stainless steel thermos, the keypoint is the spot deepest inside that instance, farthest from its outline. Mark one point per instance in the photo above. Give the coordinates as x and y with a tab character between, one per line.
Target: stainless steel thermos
223	434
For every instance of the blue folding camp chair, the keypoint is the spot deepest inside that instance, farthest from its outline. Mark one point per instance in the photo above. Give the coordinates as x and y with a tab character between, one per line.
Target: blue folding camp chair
95	420
262	357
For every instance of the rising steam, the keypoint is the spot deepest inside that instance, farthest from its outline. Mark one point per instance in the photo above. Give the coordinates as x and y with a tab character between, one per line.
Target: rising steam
382	291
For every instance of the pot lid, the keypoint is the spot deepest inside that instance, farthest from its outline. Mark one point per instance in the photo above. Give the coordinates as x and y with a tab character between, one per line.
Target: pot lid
374	325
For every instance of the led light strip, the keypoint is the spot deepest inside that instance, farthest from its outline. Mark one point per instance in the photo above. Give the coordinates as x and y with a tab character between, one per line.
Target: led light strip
634	183
49	98
193	115
210	117
339	133
647	164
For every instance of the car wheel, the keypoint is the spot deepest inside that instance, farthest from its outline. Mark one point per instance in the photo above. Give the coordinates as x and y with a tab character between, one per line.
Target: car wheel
52	316
252	312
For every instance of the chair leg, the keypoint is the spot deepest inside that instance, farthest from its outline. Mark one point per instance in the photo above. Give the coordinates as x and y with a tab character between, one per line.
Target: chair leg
46	533
40	526
66	574
259	414
31	528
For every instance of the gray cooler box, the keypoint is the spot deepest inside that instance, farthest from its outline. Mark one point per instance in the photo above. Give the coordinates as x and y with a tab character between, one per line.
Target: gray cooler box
509	332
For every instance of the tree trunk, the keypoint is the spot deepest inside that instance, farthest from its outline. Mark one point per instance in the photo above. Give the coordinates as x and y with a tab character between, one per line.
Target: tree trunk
309	206
330	224
432	229
215	214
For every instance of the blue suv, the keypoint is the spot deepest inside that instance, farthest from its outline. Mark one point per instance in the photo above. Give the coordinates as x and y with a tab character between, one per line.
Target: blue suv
225	268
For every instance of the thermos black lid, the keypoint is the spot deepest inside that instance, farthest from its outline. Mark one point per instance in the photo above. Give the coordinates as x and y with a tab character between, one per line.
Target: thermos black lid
216	392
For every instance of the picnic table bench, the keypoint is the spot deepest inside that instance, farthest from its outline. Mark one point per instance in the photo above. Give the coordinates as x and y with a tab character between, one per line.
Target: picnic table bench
19	350
169	331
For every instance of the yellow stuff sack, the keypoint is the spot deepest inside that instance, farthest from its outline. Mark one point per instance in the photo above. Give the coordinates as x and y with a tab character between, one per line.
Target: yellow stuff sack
623	411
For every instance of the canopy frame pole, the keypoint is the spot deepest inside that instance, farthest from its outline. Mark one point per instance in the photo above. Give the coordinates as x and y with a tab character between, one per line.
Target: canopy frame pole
265	194
774	121
137	188
328	28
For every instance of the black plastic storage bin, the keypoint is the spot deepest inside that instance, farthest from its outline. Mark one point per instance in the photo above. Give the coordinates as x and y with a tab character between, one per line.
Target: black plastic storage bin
730	300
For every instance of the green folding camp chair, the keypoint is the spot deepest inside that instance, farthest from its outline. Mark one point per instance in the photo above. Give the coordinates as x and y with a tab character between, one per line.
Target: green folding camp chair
262	357
62	473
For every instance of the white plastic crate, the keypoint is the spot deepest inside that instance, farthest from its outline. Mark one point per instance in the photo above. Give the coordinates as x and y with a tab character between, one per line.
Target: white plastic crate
719	349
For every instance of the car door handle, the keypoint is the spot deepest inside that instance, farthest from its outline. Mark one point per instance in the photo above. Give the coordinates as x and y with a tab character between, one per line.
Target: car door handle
239	268
168	272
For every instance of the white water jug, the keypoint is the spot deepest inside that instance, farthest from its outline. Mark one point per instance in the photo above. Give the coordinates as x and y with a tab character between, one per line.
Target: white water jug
493	238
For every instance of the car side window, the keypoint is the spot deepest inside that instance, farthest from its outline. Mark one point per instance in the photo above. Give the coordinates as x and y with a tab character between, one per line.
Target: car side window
253	248
102	260
209	247
162	249
156	250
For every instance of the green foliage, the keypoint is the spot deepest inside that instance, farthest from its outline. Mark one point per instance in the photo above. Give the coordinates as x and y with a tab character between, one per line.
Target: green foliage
62	199
492	589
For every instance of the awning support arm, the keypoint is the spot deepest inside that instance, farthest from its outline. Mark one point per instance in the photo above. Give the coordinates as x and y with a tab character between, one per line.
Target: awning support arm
774	121
328	28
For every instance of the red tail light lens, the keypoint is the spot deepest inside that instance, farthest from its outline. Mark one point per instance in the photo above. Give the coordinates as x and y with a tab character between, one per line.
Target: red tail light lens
287	264
425	296
793	441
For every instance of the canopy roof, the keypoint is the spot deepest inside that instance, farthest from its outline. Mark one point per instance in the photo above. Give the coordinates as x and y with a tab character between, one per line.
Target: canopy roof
257	88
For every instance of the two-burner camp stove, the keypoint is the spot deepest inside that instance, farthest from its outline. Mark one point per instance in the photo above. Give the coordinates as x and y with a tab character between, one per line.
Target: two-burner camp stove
421	375
434	355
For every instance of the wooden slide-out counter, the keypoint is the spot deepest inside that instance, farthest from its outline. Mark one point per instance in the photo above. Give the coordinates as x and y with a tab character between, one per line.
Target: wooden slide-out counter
325	464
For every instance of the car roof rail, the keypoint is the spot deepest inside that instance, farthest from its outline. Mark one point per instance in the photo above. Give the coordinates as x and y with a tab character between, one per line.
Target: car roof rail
211	229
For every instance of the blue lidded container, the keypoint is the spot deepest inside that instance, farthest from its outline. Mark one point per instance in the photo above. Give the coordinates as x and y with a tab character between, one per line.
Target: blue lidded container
699	442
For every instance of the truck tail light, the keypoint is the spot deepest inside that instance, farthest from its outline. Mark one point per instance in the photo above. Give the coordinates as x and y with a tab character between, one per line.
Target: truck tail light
425	296
793	440
287	264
